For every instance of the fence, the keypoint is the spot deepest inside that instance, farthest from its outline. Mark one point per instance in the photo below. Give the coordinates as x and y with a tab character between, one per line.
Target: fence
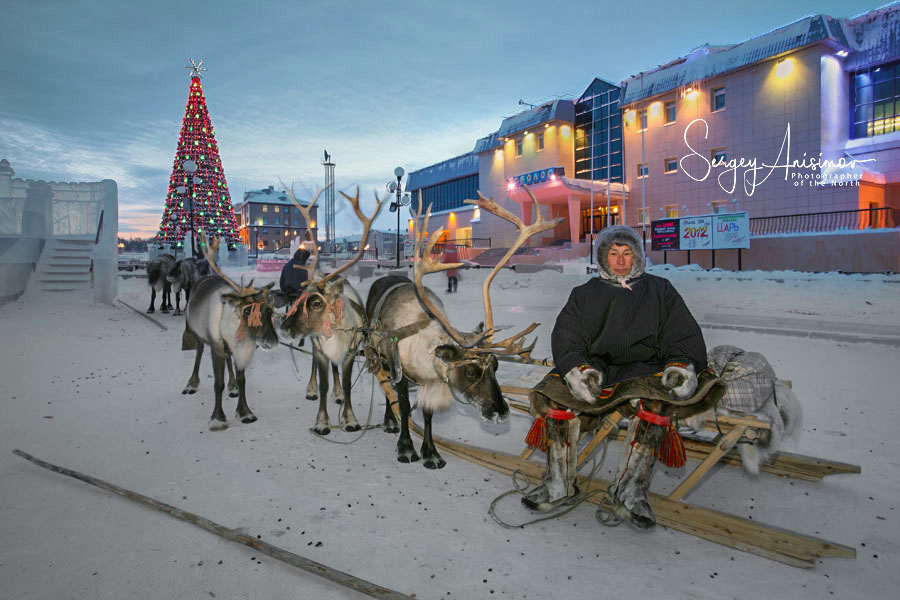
872	218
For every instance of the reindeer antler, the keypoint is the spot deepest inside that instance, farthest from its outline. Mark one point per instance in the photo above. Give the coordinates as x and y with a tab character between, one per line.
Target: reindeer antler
306	212
512	344
210	251
424	264
367	226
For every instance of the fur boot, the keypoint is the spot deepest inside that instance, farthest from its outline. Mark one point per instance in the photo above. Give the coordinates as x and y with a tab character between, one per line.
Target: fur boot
558	486
635	469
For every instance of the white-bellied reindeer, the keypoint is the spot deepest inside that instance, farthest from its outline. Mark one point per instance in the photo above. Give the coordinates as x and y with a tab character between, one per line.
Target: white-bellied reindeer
331	313
232	320
412	338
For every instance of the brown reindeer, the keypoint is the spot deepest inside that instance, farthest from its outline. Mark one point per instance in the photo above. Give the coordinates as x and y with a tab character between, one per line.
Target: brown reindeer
331	312
232	320
411	337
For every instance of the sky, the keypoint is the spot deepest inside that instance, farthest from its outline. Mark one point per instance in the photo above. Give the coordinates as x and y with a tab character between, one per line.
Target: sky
93	90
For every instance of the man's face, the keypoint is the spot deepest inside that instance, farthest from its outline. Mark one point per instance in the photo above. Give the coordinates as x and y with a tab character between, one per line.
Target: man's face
620	259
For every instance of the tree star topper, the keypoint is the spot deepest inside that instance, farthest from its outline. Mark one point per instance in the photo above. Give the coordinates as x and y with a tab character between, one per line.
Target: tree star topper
196	68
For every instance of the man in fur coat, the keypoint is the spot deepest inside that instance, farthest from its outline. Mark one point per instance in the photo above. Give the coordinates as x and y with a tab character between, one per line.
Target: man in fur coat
621	325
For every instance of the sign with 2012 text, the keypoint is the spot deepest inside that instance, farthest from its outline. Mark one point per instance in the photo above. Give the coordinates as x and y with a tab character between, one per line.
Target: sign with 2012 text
696	233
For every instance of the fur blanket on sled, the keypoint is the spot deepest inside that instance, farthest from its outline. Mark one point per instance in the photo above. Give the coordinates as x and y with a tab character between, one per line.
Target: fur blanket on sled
753	389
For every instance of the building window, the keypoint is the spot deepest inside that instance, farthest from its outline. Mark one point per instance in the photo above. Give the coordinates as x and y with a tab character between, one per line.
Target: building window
265	208
265	231
876	101
643	216
670	112
540	141
276	208
287	210
643	170
265	220
719	207
519	147
717	155
278	220
671	211
642	120
670	165
718	99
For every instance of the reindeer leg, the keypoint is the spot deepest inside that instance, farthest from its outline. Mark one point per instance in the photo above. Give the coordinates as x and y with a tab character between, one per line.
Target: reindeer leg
338	388
348	419
430	456
177	303
166	298
322	427
243	411
194	382
406	452
217	421
152	301
390	424
233	386
312	388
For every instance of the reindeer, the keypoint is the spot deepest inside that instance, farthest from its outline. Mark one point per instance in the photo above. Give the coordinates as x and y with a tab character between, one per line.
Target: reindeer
183	275
331	312
412	338
233	320
157	271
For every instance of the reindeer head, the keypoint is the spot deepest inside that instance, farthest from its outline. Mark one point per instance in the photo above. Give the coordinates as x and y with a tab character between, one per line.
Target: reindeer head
320	308
253	307
469	365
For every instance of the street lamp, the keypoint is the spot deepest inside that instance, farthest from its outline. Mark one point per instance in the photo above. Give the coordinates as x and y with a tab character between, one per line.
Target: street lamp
402	200
190	167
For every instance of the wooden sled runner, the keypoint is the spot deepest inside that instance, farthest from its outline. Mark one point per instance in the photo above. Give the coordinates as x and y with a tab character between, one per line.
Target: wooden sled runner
788	547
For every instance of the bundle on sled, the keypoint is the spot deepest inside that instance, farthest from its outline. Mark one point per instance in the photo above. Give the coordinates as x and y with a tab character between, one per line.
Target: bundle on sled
752	390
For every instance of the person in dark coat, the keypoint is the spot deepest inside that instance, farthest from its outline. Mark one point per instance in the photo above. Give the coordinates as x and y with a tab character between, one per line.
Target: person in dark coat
292	276
623	324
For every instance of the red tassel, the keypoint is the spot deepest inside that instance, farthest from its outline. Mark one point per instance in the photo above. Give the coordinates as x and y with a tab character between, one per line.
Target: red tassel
537	435
672	452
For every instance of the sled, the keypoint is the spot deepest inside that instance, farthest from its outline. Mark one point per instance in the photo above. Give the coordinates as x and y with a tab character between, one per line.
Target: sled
775	543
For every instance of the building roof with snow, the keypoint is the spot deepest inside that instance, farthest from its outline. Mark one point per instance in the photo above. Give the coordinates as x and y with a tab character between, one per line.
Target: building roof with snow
709	61
874	37
268	195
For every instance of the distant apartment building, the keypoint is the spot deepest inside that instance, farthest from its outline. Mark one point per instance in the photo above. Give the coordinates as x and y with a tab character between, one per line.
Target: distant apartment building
269	221
380	244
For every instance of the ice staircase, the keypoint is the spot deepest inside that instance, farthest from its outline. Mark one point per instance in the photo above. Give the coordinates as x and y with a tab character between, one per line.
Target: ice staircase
65	268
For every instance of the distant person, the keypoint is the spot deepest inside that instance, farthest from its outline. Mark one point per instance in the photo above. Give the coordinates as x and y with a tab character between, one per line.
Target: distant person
451	256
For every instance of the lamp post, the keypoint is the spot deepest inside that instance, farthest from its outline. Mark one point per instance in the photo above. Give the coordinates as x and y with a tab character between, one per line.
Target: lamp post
402	200
190	167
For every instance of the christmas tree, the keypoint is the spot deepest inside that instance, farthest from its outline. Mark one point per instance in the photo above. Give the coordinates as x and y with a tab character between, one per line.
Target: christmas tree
198	200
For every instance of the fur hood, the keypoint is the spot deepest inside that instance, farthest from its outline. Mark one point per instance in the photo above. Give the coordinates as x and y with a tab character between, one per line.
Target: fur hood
619	234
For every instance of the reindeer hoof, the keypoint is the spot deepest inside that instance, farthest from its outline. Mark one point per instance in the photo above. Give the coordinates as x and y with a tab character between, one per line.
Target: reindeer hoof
218	425
151	310
251	418
311	397
390	427
338	400
352	428
233	393
435	462
189	390
322	430
408	457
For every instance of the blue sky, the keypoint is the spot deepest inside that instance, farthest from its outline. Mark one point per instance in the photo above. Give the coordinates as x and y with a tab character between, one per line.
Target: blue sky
93	90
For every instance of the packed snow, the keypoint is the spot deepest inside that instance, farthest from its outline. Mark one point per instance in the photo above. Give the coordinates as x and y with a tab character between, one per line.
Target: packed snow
98	390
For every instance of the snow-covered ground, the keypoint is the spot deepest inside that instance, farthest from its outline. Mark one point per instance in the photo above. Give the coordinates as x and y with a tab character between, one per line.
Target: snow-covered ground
98	390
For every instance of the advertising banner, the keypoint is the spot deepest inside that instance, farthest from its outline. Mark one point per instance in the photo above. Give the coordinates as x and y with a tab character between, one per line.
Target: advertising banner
731	231
664	234
696	233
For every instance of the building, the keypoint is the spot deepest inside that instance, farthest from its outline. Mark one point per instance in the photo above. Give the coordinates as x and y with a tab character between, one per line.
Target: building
536	148
802	120
269	221
796	97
